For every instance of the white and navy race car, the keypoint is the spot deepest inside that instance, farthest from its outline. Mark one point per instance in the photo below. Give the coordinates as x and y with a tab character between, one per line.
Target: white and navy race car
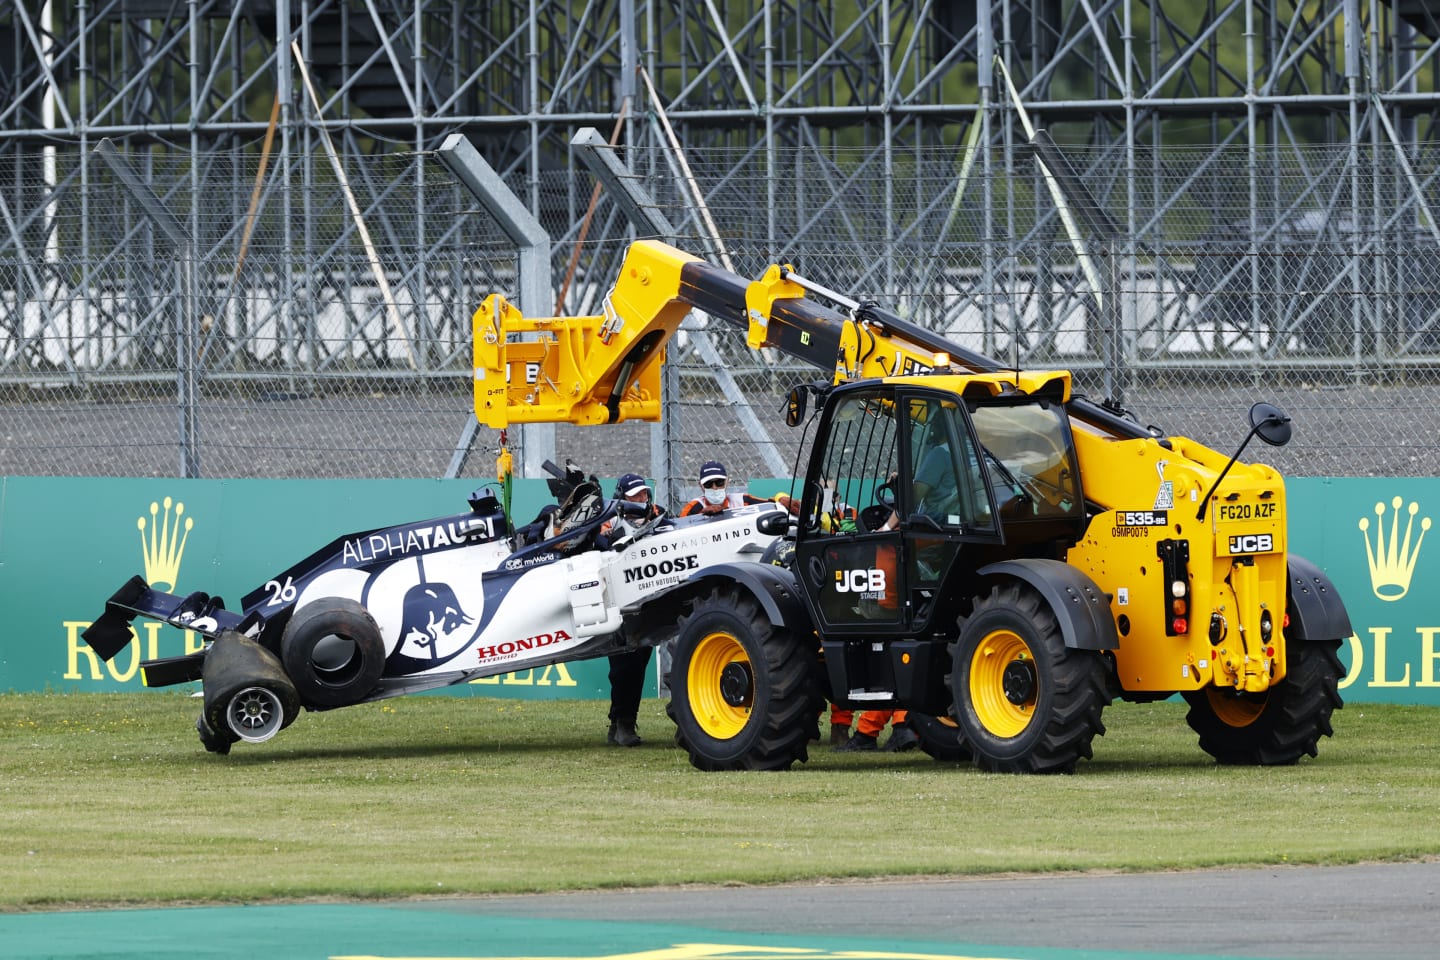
413	607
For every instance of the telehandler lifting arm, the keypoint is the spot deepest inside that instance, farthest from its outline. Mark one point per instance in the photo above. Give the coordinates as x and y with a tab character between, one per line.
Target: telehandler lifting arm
606	368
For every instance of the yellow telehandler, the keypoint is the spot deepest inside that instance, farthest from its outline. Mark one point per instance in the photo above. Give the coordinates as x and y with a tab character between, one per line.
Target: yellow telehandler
975	544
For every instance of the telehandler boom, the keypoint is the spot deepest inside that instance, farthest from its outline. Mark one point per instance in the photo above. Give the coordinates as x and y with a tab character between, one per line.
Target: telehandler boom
974	543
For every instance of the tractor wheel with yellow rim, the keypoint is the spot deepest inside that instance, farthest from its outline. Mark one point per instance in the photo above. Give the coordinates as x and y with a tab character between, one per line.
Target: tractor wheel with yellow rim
1279	726
1024	702
940	736
743	693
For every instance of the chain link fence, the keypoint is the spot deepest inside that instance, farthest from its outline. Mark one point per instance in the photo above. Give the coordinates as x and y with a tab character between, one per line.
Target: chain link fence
294	324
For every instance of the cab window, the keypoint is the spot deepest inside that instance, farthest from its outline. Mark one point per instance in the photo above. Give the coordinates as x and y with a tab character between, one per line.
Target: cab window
946	485
1028	457
860	456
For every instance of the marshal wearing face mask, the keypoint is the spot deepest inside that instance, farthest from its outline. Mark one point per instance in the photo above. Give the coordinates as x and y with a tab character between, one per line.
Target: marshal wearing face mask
715	495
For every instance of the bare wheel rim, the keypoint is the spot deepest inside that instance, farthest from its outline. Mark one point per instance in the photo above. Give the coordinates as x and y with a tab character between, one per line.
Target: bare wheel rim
1233	710
254	714
1003	687
721	685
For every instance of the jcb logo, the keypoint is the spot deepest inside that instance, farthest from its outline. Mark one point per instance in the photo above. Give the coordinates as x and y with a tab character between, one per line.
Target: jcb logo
1252	543
860	581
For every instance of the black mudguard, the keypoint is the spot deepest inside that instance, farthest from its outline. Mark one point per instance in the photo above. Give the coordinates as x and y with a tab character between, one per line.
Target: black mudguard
1077	602
1315	608
651	623
774	587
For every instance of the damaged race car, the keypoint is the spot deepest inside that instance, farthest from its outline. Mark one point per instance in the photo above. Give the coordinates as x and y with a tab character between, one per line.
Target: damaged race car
396	610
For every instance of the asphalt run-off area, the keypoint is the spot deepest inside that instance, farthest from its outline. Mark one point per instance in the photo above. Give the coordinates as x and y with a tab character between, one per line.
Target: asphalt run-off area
1371	910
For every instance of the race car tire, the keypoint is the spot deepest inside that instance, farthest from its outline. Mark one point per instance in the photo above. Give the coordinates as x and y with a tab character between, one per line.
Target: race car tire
743	695
255	714
333	651
237	668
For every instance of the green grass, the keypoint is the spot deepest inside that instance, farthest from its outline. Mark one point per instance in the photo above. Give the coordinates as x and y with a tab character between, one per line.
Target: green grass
110	799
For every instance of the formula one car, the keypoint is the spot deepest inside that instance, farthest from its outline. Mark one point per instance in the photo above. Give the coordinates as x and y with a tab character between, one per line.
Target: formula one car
422	605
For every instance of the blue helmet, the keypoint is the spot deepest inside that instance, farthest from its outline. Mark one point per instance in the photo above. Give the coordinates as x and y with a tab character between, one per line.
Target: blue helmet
629	485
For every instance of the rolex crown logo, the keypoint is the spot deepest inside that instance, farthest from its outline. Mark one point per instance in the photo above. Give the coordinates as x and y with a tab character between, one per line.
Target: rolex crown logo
1392	560
165	544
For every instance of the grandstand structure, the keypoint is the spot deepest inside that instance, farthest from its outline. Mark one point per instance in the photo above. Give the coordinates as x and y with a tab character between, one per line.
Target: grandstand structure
1261	179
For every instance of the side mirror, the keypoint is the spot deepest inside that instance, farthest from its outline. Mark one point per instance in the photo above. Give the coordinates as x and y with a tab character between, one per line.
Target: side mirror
795	407
1270	424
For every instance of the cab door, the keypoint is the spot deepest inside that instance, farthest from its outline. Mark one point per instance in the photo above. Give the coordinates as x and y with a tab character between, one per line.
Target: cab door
893	494
945	502
849	551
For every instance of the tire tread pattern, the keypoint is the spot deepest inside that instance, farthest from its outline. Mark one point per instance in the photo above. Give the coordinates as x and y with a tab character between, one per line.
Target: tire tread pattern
788	718
1295	716
1079	695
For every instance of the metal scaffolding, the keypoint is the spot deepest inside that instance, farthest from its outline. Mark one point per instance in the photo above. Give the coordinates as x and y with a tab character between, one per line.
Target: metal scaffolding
1270	166
519	77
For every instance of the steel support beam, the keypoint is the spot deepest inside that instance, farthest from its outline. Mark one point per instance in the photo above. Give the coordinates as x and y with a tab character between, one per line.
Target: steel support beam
537	440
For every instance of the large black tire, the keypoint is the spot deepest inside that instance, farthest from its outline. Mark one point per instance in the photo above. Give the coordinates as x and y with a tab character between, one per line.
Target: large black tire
333	652
940	737
743	695
1024	701
1278	727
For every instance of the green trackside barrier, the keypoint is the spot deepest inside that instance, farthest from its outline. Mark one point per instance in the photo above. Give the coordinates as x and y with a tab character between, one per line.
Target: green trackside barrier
66	544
